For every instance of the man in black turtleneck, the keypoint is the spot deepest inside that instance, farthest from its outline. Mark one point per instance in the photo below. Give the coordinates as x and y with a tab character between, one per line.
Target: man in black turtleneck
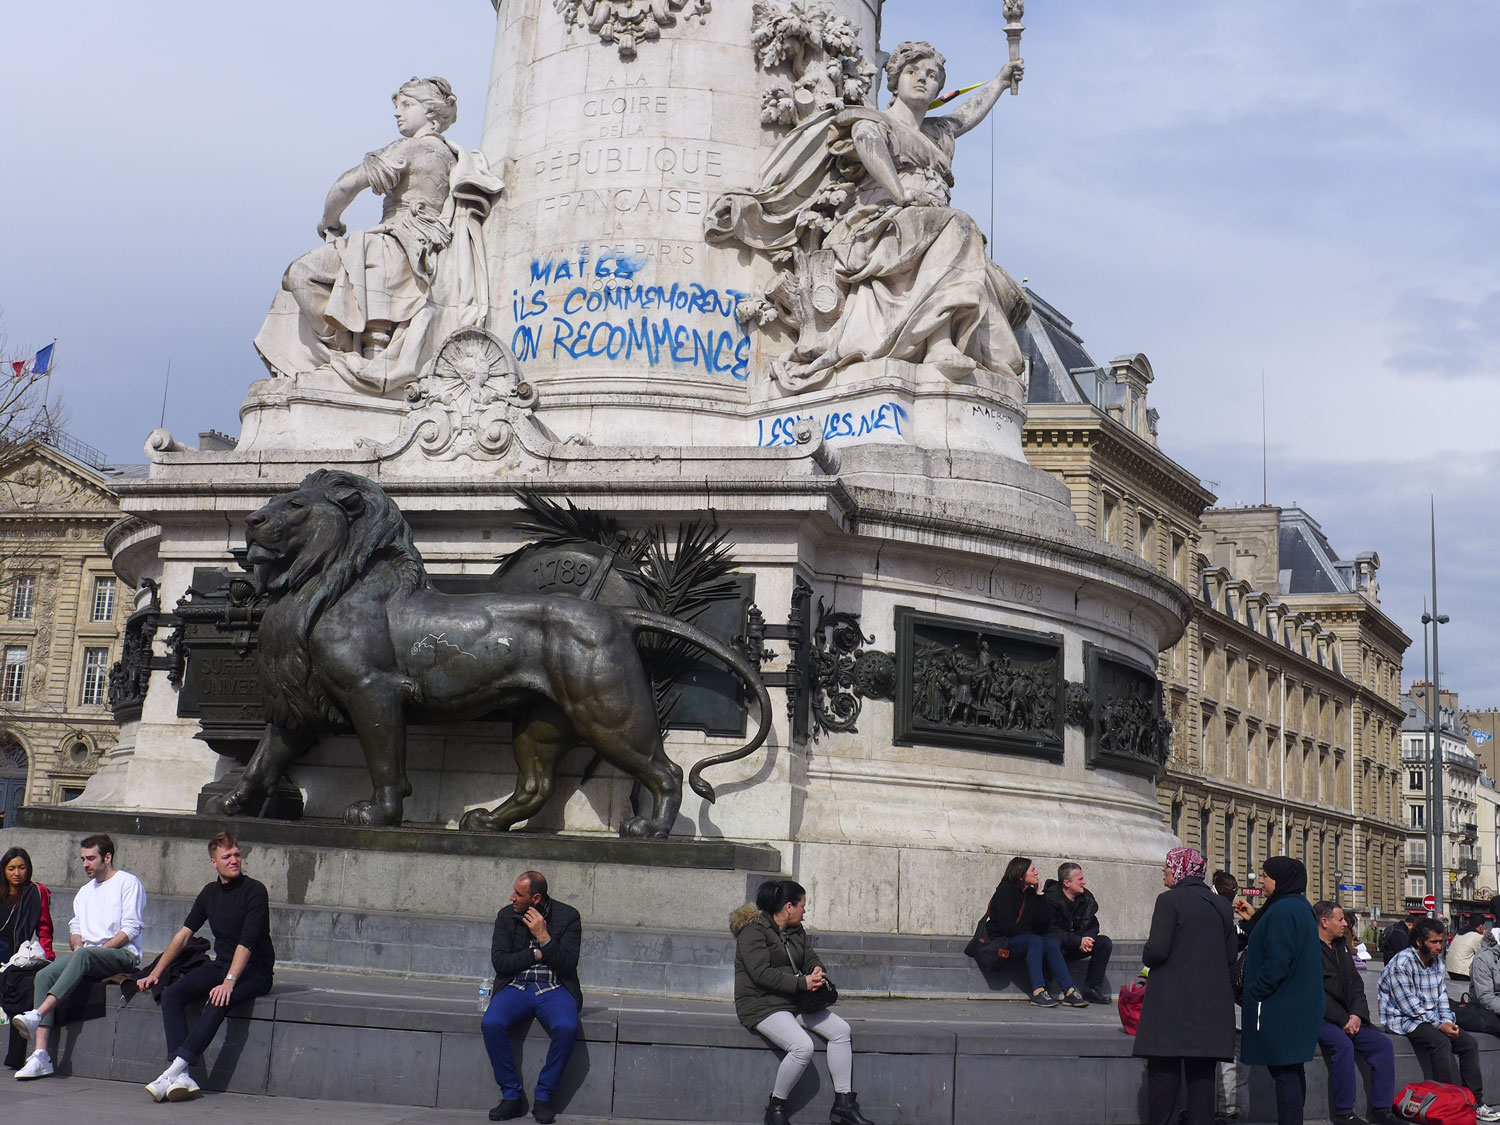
236	908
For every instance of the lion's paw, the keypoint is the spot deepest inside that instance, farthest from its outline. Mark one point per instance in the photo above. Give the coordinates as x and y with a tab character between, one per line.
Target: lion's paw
225	804
480	820
371	814
640	828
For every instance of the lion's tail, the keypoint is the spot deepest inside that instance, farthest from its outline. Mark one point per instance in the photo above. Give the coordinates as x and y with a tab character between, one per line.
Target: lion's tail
645	621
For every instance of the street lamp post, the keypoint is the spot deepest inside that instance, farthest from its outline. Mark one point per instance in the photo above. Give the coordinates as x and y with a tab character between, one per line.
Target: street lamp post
1434	720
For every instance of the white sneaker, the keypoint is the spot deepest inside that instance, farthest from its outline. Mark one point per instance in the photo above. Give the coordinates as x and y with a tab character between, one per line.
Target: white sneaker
39	1065
183	1089
26	1024
158	1089
1487	1113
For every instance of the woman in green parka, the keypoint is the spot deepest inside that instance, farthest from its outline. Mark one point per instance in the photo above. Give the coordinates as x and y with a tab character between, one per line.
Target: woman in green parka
1283	1002
774	961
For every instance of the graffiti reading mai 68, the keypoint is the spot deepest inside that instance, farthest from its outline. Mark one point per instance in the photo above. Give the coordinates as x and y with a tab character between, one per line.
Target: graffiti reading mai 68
583	308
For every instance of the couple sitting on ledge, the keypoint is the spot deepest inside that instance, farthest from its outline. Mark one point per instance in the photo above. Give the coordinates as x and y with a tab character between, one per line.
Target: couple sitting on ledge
1048	926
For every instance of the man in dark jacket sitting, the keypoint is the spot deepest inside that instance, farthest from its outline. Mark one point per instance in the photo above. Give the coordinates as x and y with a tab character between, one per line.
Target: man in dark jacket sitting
1346	1028
1075	923
535	955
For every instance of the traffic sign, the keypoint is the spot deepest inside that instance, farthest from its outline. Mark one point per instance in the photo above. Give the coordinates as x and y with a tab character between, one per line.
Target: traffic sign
1351	886
1429	903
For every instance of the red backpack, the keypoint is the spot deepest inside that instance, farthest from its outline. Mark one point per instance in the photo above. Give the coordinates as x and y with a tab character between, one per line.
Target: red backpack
1436	1103
1131	998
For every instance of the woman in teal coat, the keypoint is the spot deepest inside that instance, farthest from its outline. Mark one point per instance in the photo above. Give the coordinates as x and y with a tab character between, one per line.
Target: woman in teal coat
1283	1003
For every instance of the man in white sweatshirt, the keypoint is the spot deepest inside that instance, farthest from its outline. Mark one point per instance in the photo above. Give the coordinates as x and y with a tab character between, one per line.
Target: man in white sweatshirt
104	935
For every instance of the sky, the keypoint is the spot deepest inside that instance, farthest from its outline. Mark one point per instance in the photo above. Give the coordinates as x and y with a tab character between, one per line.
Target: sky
1305	193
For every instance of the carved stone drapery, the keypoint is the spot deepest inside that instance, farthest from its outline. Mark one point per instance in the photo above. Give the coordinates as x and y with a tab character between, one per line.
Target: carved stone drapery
468	403
627	22
991	688
1131	731
843	672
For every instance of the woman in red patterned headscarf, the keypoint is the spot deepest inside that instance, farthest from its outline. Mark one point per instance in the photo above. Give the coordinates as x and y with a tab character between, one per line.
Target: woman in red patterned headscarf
1187	1018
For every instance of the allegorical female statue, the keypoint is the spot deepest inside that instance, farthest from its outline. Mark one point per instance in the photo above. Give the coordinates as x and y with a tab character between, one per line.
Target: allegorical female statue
373	304
855	204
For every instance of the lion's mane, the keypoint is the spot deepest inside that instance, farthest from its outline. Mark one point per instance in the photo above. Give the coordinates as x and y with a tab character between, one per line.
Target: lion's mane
371	532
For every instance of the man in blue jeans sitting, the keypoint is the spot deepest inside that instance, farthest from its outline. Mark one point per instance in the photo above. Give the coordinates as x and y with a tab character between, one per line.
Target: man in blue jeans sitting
535	955
1346	1029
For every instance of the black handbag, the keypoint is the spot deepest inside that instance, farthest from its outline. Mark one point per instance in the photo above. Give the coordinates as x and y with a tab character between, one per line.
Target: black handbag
1237	978
986	951
1472	1016
816	999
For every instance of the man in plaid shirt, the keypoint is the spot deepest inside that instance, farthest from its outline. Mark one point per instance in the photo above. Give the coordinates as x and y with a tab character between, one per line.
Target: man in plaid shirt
1414	1002
535	954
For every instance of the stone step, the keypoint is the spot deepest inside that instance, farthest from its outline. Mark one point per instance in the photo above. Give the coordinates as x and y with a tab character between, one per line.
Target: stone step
670	962
400	1041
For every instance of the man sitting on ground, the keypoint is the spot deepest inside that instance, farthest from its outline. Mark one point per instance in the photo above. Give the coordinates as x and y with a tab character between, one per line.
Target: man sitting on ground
1075	922
1461	950
535	954
238	911
104	936
1346	1029
1414	1002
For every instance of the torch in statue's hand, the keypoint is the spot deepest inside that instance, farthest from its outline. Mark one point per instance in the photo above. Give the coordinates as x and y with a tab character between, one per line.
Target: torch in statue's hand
1014	11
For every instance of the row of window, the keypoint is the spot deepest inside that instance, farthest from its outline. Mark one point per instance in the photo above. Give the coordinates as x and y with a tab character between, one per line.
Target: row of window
95	675
23	599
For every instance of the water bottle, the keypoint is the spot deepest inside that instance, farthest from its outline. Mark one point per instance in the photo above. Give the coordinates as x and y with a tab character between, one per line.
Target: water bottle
486	987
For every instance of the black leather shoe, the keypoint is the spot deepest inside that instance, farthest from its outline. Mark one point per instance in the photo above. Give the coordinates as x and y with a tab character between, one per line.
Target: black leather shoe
846	1111
776	1112
510	1107
1097	996
542	1111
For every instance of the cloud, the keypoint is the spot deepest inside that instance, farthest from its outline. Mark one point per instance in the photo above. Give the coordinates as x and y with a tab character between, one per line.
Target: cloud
1447	337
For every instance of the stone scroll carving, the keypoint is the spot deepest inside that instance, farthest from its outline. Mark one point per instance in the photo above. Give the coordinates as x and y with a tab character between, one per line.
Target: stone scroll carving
627	22
992	688
874	263
373	306
817	52
469	402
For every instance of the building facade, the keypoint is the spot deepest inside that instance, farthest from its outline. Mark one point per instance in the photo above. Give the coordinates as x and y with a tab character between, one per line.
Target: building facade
1284	693
61	609
1463	836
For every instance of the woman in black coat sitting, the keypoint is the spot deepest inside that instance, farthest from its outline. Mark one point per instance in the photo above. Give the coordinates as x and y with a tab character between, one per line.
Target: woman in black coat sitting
1019	914
1187	1017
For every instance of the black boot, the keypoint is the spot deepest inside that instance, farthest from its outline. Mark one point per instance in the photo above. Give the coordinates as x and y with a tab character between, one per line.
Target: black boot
776	1112
846	1111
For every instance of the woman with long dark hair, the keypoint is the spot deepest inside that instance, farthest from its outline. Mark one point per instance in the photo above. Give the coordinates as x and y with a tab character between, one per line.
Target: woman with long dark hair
25	915
776	970
1020	914
1284	1001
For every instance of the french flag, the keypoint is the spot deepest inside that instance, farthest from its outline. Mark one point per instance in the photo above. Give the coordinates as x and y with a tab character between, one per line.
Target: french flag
38	364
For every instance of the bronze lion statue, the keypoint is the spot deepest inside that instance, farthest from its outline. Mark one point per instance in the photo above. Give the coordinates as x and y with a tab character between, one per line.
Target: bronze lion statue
355	634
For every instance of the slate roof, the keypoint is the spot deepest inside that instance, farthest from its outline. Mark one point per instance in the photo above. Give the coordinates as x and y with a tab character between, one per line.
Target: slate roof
1309	564
1061	368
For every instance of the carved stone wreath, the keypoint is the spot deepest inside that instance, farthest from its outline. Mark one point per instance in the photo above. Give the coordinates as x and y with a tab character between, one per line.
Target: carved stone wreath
627	22
469	401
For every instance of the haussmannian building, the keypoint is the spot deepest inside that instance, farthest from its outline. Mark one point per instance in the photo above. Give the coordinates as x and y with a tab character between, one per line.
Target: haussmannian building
61	611
1284	692
1463	834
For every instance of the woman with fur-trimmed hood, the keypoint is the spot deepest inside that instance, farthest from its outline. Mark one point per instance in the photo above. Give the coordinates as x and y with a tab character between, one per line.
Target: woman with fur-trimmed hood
774	962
